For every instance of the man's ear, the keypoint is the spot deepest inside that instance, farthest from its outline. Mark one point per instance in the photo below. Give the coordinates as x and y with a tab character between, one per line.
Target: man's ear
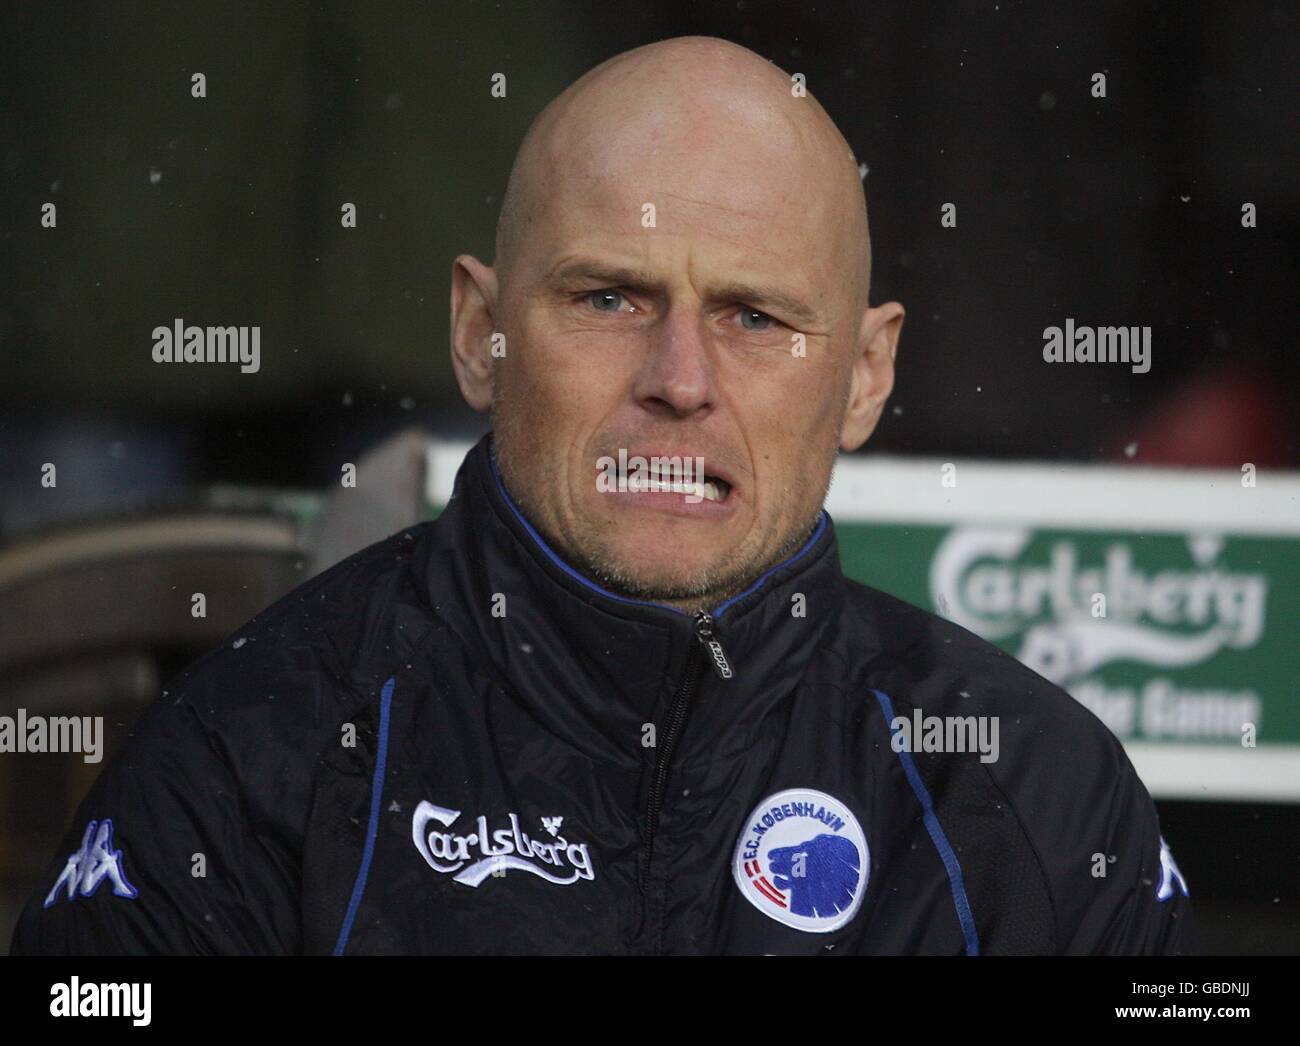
873	372
473	322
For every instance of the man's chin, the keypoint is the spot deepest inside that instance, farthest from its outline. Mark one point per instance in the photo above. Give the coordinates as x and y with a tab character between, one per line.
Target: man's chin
697	582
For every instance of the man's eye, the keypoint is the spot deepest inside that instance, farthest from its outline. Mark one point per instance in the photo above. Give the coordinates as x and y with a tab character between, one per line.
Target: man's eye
753	320
605	301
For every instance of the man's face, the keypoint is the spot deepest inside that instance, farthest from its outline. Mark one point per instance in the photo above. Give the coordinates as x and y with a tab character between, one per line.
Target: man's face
724	331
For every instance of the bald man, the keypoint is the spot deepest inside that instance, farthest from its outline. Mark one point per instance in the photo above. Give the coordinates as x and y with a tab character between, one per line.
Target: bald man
619	698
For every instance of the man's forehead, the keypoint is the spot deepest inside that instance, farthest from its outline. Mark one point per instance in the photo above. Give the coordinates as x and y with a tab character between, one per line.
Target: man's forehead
704	162
765	229
773	224
702	153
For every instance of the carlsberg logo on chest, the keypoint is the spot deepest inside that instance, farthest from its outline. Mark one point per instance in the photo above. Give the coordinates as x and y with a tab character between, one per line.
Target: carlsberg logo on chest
472	857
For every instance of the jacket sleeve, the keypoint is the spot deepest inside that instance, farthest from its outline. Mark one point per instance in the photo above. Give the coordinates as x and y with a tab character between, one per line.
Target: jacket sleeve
1141	905
162	857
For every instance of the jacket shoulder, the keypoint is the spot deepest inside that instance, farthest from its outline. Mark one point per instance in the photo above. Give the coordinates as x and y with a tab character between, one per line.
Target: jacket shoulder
344	630
1075	808
272	698
954	672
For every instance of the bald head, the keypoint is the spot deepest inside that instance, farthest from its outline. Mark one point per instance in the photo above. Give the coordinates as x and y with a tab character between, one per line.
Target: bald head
693	122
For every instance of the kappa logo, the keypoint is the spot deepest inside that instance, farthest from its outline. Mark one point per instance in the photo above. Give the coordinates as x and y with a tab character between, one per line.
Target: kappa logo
472	858
1169	874
91	864
802	860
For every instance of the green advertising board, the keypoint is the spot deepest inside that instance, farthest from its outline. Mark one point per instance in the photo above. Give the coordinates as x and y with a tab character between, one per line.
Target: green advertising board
1166	601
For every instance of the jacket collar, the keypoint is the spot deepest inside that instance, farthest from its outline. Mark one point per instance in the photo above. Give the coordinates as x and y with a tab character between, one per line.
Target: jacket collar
594	666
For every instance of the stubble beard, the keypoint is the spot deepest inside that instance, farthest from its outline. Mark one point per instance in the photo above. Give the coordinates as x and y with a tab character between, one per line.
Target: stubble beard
589	552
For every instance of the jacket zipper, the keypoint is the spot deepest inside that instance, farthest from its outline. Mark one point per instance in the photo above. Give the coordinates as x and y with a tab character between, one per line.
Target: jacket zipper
677	711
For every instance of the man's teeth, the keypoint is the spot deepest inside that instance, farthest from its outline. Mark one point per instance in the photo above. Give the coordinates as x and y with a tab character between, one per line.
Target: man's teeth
710	490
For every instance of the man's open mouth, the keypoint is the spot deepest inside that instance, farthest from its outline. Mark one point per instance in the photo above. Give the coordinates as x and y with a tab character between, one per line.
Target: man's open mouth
678	474
710	488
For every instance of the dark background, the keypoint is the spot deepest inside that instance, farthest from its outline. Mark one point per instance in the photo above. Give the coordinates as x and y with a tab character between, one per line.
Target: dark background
225	210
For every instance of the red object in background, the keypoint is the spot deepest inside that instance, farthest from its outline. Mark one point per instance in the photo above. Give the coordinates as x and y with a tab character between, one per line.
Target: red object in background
1222	419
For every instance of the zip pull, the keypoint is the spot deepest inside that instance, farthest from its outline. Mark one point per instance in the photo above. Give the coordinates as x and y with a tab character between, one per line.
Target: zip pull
704	633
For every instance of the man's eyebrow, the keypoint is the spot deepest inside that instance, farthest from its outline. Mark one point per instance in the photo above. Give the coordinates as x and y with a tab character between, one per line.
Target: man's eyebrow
767	299
607	275
758	296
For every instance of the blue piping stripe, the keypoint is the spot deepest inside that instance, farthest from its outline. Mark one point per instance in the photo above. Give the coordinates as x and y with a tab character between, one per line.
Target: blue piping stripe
817	533
372	828
822	521
946	854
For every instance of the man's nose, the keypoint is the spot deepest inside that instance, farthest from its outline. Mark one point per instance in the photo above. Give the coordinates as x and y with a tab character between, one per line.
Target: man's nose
677	375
